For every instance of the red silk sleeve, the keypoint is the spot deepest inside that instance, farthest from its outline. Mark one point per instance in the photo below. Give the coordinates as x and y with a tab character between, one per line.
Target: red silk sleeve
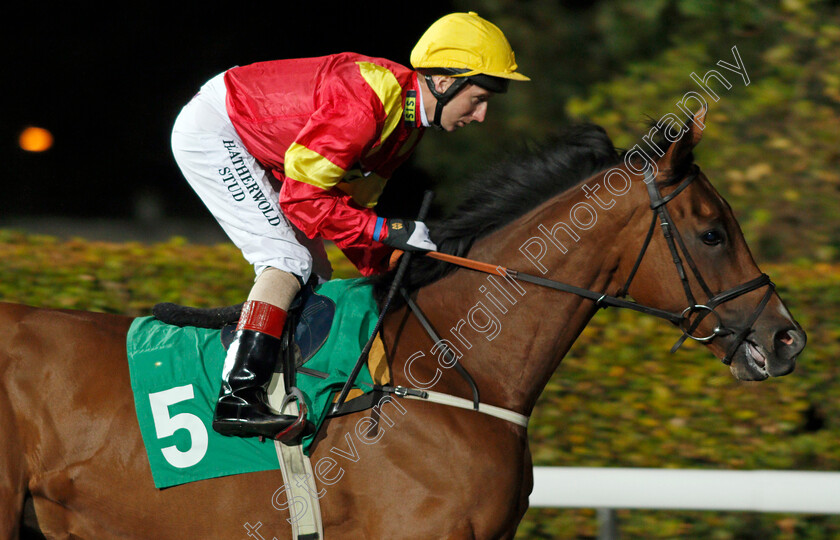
332	214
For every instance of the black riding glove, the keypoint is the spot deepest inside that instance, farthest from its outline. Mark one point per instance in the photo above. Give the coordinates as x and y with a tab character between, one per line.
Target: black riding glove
408	235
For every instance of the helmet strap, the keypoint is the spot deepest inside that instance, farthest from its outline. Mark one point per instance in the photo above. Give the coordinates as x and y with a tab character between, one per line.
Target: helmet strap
443	98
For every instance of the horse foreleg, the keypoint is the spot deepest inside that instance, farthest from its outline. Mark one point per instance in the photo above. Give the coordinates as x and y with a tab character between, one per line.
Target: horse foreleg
11	510
12	473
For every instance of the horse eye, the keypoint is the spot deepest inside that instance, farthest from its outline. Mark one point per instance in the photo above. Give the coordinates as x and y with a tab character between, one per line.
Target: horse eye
712	237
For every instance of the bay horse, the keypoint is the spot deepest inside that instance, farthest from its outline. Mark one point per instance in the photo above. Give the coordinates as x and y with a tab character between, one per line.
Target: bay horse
71	442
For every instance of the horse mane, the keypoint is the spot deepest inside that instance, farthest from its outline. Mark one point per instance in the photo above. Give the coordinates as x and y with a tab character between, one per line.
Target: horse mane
507	190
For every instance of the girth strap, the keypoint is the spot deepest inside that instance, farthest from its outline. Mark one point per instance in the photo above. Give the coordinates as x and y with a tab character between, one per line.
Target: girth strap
461	403
380	393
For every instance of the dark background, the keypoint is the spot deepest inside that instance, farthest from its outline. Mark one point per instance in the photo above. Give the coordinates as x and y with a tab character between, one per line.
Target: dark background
109	84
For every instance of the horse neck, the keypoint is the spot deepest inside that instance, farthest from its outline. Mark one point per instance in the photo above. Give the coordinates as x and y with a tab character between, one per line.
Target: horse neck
513	335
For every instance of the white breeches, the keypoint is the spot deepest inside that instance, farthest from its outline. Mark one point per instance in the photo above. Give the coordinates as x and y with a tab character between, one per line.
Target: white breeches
238	191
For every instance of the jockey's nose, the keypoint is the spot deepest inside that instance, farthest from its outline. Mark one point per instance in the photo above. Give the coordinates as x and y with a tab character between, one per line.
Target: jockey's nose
480	112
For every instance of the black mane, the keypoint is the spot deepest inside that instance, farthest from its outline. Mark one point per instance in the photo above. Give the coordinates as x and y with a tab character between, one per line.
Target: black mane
507	191
515	186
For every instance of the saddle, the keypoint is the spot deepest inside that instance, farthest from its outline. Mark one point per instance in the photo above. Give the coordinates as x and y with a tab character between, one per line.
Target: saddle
308	324
306	330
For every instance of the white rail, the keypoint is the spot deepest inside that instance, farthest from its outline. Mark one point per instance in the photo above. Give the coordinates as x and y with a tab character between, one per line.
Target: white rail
687	489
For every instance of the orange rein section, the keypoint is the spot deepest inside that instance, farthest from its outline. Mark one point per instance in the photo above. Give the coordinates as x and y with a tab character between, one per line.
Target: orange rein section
487	268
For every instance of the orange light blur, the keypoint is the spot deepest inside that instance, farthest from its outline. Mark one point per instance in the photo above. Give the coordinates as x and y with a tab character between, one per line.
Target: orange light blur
35	139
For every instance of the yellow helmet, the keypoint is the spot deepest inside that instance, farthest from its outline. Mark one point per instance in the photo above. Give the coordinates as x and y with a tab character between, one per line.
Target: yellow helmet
465	45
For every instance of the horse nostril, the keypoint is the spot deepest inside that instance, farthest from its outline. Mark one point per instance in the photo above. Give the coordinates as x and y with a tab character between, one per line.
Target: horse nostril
786	337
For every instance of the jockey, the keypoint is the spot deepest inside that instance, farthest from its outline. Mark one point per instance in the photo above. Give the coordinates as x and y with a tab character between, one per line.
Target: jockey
286	153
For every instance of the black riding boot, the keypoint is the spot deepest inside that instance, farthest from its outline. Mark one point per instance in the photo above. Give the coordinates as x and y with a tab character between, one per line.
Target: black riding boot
242	409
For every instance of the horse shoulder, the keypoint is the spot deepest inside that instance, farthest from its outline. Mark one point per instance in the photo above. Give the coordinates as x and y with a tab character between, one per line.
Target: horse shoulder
447	458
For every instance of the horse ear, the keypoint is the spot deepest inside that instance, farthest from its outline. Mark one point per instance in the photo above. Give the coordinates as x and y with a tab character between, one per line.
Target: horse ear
680	149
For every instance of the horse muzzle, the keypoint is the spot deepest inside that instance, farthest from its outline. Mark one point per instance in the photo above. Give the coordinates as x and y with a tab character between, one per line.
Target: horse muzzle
766	354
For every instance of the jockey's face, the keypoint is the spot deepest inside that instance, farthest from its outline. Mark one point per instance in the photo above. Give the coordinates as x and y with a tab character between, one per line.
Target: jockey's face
468	105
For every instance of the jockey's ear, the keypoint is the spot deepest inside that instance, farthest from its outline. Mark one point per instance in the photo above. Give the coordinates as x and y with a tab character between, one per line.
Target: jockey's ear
442	82
680	149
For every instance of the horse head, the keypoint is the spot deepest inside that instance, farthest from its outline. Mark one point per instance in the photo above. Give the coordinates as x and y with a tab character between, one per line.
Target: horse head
593	239
702	268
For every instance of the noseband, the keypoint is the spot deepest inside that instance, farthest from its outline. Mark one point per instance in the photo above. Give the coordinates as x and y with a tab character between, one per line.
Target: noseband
678	252
676	246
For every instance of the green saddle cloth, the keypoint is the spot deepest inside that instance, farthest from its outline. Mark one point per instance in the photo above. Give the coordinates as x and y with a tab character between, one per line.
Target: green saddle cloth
176	376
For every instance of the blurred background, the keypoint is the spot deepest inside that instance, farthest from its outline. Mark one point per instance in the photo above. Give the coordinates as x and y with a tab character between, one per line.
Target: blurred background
107	85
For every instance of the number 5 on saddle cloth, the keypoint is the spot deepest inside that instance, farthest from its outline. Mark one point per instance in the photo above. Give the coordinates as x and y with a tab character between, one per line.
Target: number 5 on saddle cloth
173	353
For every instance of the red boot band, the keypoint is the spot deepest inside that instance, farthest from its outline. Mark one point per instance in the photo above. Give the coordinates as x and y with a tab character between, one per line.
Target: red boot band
262	317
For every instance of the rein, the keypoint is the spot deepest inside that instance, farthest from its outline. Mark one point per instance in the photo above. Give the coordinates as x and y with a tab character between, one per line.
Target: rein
679	252
677	247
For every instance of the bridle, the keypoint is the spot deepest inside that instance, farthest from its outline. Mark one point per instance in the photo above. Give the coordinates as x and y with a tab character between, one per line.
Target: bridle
658	205
679	253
